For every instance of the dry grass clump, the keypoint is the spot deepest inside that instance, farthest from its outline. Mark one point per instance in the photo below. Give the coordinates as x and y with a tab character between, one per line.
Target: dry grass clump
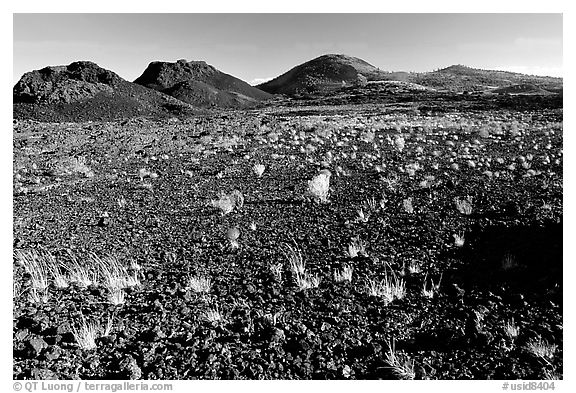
258	169
81	273
200	284
212	315
511	329
303	279
319	186
459	239
344	275
389	288
399	363
86	334
430	291
73	165
541	348
37	265
226	203
84	271
356	248
464	206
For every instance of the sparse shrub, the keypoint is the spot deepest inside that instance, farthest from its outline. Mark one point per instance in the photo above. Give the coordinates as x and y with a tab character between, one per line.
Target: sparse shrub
389	288
212	315
114	274
82	274
258	169
109	326
511	329
484	132
37	265
294	257
509	262
344	275
307	281
414	268
143	173
319	186
391	182
116	296
86	334
238	199
302	278
36	295
361	80
464	206
552	375
356	247
225	203
232	235
16	288
407	205
276	270
74	165
200	284
430	292
541	349
121	202
370	205
368	136
399	143
459	239
362	216
400	364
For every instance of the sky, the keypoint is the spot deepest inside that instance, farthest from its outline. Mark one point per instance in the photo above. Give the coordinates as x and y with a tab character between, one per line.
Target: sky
256	47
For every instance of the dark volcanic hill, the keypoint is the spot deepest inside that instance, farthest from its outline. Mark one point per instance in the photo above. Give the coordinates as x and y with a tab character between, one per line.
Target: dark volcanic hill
462	78
200	84
83	91
326	72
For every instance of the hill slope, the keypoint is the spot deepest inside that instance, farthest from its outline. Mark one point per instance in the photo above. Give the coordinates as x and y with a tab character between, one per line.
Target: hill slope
83	91
200	84
462	78
325	73
329	72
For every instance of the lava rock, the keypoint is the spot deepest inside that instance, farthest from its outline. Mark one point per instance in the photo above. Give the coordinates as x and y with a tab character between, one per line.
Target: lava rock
129	368
37	345
52	353
21	334
43	374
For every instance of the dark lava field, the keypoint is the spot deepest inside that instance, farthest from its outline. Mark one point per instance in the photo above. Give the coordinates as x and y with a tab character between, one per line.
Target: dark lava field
323	241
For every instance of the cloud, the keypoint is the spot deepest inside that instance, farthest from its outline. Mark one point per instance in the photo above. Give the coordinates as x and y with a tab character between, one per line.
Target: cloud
257	81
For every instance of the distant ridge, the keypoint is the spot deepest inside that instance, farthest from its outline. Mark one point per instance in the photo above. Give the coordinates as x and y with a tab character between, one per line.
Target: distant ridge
200	84
83	91
329	72
462	78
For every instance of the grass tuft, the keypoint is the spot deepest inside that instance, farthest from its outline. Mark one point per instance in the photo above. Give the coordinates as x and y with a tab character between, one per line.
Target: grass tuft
389	288
200	284
86	334
400	364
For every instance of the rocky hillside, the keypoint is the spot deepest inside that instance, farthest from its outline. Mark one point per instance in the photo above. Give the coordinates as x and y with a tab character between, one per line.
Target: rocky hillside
461	78
326	72
200	84
330	72
84	91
